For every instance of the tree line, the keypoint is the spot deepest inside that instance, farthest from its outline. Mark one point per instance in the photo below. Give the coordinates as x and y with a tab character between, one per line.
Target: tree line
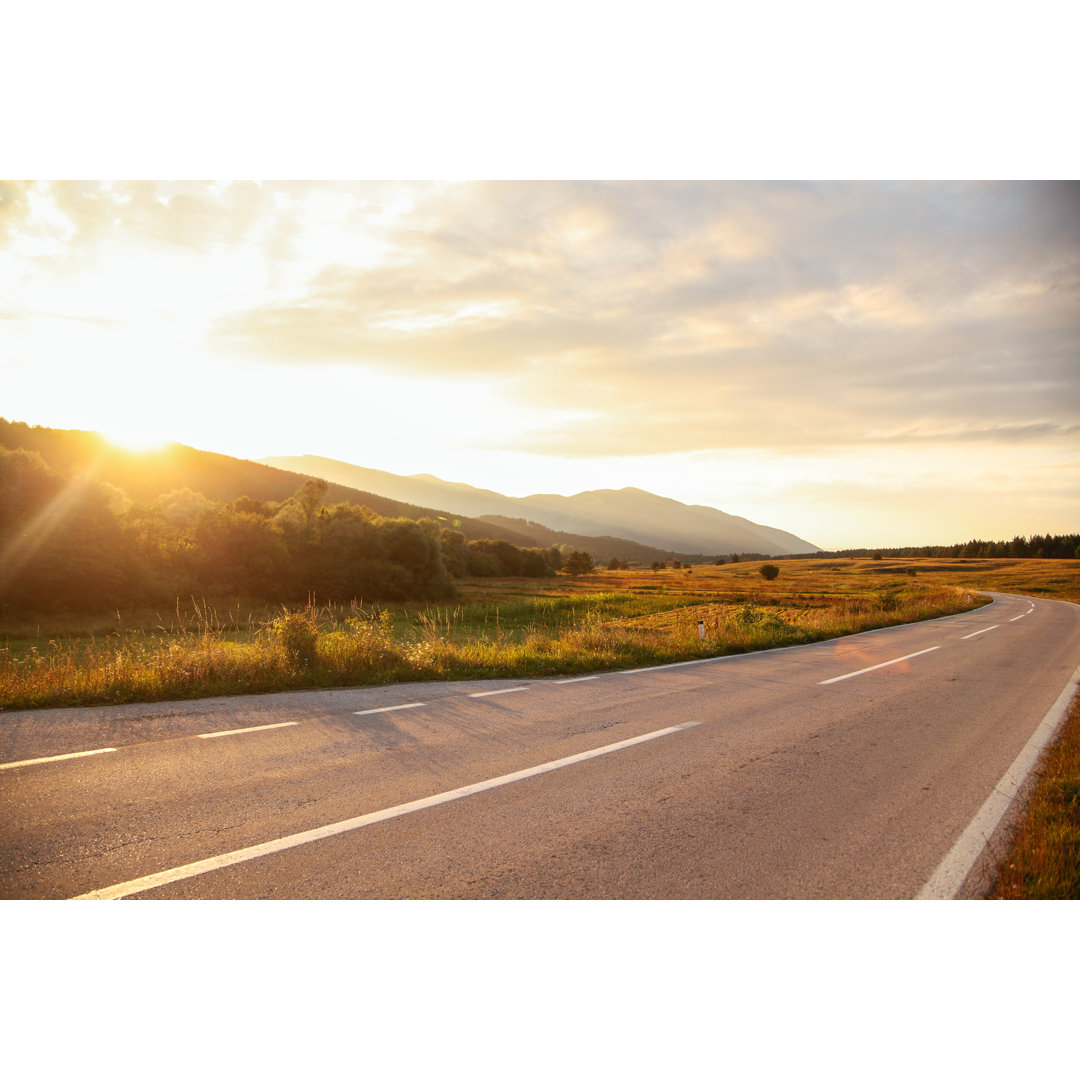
77	543
1056	546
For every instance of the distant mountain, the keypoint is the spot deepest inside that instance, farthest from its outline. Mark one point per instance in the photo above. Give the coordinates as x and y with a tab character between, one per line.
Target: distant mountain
630	513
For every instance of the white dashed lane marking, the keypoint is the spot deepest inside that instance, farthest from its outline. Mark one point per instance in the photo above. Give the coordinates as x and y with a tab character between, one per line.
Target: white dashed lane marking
888	663
245	730
58	757
231	858
391	708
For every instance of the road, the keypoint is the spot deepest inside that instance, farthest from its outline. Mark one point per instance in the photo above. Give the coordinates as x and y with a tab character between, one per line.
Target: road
845	769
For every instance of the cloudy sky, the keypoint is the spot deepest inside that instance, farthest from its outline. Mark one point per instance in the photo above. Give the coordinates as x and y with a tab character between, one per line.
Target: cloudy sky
858	363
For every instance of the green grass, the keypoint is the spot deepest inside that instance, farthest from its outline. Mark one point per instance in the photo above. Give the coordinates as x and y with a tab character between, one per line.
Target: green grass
507	629
497	628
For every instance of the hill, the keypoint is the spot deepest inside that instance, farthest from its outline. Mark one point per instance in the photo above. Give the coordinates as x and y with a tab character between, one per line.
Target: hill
640	516
145	475
601	548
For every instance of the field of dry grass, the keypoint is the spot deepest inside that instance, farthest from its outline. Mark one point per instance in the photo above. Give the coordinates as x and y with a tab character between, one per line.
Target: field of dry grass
497	628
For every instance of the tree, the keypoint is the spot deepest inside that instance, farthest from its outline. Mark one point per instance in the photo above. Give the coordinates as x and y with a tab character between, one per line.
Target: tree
238	552
535	564
553	557
182	506
578	562
769	572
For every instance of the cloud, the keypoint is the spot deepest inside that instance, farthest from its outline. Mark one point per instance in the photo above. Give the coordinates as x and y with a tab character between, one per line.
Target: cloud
686	314
14	206
650	317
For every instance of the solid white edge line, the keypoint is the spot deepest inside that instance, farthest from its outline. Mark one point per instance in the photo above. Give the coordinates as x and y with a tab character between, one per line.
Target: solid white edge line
985	631
492	693
179	873
244	730
390	708
580	678
953	870
58	757
888	663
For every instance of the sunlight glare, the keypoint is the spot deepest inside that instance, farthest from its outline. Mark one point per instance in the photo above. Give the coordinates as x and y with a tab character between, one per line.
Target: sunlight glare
136	437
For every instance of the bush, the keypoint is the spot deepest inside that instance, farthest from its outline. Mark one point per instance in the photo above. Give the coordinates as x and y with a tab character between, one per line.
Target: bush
298	636
769	572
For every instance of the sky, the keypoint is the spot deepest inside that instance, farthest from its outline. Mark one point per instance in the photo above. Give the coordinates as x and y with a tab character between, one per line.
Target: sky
574	297
861	363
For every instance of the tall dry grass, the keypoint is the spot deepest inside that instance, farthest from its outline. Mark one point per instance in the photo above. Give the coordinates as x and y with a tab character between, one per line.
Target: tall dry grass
313	647
1044	860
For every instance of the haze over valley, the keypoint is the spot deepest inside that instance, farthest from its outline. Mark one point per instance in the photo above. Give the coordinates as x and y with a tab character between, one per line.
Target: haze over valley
631	513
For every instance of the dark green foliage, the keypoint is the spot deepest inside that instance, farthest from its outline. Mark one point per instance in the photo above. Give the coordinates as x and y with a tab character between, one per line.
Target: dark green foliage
578	562
77	544
769	572
238	552
535	565
498	558
1063	546
60	543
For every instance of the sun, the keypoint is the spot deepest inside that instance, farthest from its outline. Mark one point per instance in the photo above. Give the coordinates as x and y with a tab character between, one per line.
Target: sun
137	437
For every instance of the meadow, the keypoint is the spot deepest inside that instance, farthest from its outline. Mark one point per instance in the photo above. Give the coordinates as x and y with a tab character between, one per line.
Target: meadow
506	627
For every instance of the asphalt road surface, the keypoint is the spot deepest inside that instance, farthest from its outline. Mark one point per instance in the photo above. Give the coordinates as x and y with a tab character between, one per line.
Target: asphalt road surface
846	769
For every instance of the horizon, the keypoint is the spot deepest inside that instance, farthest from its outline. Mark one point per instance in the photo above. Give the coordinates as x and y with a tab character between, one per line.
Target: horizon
137	448
861	364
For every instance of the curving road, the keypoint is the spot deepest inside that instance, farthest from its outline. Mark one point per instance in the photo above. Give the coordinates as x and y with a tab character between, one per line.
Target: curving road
850	768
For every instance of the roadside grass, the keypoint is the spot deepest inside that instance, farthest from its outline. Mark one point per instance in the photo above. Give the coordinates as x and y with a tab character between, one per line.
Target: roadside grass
498	628
507	628
1044	862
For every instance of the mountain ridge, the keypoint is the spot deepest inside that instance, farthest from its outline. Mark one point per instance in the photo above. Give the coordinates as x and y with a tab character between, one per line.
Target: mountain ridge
146	475
630	513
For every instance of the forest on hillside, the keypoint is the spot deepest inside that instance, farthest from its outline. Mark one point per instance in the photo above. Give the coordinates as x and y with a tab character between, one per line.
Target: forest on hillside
78	543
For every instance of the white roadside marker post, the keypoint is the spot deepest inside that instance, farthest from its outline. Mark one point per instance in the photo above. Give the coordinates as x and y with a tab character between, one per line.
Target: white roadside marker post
701	629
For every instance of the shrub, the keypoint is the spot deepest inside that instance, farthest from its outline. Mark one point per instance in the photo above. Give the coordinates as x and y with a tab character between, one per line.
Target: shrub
769	572
298	636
